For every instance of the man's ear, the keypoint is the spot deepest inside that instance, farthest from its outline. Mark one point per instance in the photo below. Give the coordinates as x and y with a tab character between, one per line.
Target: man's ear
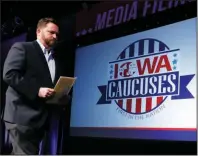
38	31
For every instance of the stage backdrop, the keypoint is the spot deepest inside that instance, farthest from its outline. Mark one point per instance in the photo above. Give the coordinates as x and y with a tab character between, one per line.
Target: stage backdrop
140	86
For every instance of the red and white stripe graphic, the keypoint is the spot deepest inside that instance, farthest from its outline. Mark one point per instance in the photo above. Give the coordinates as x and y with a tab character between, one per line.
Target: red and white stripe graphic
141	48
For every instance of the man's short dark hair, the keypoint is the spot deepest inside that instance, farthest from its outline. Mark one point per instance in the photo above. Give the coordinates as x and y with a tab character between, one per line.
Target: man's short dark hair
44	21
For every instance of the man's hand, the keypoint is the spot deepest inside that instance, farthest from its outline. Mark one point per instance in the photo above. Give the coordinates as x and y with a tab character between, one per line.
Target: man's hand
46	92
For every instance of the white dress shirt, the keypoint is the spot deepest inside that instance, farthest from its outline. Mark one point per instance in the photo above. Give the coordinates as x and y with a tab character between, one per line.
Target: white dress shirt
49	58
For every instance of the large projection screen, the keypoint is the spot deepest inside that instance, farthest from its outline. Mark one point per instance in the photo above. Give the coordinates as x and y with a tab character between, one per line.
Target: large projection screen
140	86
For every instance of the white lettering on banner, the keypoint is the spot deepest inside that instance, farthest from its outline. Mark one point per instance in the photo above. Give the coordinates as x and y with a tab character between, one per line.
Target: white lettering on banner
144	86
128	12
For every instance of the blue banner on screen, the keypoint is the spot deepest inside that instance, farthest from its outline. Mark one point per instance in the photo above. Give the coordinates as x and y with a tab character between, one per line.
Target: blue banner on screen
140	86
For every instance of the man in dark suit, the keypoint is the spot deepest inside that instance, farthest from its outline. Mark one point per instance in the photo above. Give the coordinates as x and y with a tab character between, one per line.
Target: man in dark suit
31	71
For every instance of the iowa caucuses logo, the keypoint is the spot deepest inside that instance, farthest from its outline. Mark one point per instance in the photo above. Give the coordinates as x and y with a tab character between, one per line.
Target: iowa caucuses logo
143	77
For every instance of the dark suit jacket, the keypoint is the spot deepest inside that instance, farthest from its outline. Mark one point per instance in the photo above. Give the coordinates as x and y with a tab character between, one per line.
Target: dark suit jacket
25	71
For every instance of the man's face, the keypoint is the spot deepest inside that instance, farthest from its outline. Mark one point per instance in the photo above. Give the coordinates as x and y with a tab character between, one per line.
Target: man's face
49	34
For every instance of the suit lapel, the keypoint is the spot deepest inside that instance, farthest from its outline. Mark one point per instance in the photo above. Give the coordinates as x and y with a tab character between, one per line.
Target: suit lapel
57	72
39	51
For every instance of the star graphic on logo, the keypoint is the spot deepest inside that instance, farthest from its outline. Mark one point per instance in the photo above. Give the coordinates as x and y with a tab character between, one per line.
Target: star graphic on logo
111	77
174	67
175	55
111	72
174	61
132	65
111	66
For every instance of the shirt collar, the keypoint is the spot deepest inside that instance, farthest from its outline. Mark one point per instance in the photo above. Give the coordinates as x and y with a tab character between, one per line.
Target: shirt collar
43	47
